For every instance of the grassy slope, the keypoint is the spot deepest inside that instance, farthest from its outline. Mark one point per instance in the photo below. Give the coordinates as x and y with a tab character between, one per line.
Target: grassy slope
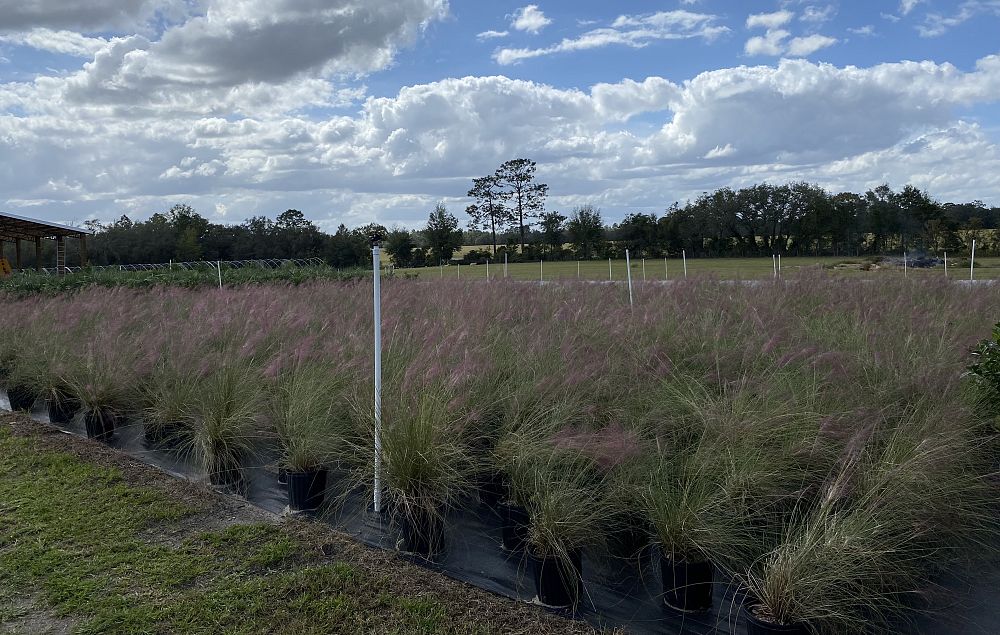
726	268
83	546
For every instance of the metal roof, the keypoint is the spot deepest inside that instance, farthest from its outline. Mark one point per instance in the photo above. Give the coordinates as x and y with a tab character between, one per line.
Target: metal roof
14	227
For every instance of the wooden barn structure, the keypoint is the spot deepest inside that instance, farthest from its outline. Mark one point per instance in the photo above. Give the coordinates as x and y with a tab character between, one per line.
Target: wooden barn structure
17	229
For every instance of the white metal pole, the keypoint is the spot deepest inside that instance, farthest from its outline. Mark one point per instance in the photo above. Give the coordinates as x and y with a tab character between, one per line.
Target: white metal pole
609	270
460	270
628	273
779	265
441	267
577	269
972	261
666	274
946	264
505	264
685	257
487	270
377	303
643	269
541	271
774	264
904	264
219	264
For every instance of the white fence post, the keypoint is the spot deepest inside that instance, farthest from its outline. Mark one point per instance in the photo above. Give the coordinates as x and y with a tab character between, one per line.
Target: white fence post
377	303
972	262
628	273
685	257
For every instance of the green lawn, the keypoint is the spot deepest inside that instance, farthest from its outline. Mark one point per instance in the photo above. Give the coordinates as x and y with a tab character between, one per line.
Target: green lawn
673	268
89	547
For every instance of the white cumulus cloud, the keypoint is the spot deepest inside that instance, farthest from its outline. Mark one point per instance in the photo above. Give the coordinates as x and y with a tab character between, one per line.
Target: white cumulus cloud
769	20
804	46
530	19
772	43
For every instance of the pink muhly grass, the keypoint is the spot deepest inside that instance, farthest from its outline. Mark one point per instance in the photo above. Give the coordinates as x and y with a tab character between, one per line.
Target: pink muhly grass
608	447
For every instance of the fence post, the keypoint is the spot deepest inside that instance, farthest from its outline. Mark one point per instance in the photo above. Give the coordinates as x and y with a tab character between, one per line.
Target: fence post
628	274
377	306
972	262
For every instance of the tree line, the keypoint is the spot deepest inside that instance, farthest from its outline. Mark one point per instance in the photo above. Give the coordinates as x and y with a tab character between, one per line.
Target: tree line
508	216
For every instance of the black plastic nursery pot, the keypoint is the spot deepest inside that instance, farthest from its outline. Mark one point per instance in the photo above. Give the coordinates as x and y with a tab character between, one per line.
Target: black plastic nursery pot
225	472
493	488
63	410
558	583
21	398
514	528
168	435
100	424
421	533
687	586
306	490
758	626
628	538
154	432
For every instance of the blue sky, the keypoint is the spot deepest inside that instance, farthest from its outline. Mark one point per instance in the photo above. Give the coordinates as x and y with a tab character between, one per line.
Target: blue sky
362	110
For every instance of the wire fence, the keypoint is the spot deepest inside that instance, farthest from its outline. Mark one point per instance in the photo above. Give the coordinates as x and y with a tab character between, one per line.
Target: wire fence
268	263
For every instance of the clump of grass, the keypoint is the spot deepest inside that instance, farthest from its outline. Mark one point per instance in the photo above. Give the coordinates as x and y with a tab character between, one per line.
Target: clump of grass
225	420
169	397
567	509
310	415
897	510
426	463
723	467
99	380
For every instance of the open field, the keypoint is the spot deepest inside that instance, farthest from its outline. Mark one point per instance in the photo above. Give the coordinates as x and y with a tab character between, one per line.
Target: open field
818	445
673	269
